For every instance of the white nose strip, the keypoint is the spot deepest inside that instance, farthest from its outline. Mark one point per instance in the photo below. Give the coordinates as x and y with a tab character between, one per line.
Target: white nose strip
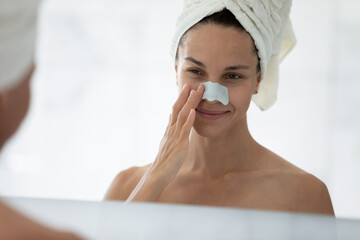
215	91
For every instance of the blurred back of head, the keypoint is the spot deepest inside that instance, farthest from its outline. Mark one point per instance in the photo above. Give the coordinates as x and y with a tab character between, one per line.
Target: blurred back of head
18	21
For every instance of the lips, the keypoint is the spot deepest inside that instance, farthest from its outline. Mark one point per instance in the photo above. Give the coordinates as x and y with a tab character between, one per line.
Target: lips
211	115
211	112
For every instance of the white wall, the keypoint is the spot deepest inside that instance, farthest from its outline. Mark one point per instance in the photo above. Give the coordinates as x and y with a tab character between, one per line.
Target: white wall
105	85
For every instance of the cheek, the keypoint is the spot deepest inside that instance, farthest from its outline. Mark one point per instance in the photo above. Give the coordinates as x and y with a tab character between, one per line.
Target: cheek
234	97
239	97
183	79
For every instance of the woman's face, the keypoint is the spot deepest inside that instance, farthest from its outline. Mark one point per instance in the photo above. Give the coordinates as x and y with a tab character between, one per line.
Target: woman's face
221	55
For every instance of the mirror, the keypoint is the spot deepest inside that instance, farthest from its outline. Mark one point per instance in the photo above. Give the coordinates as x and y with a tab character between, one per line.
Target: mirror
105	84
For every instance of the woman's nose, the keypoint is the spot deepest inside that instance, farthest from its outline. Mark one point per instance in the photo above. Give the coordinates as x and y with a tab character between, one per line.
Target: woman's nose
208	102
216	92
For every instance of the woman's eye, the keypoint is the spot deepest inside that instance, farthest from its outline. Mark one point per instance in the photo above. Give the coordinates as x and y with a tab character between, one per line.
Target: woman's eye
233	76
195	71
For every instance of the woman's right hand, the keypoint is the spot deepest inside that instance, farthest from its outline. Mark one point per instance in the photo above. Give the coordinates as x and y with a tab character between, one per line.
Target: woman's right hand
173	147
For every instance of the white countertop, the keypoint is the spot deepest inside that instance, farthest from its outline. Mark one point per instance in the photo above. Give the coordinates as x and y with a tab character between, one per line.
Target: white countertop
119	220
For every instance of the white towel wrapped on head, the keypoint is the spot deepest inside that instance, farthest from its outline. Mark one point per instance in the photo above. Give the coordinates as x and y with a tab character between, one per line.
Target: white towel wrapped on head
17	39
268	23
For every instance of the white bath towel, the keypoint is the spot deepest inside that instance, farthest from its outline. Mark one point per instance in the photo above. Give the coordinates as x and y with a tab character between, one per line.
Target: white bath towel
17	39
267	21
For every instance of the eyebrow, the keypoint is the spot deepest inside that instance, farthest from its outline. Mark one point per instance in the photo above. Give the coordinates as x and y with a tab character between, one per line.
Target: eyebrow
193	60
197	62
236	67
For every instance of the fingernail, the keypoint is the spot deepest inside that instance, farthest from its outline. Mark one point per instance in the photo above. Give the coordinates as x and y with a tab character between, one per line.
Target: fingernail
185	85
198	88
192	92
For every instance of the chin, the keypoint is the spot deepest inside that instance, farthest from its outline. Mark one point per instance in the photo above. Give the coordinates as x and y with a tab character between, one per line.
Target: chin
208	131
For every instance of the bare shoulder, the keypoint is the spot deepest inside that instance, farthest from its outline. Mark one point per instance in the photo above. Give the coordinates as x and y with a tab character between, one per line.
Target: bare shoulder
302	191
309	194
274	161
124	183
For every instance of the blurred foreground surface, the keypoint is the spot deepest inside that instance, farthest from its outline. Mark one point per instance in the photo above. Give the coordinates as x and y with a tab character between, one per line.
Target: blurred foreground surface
119	220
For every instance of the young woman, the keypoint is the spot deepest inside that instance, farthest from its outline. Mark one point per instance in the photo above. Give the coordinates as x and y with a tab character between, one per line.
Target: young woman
207	155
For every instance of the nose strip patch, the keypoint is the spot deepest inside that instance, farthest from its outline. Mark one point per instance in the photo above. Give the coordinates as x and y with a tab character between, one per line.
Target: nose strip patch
215	91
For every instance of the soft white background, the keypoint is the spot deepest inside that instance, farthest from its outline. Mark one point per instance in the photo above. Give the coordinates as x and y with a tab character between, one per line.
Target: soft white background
105	85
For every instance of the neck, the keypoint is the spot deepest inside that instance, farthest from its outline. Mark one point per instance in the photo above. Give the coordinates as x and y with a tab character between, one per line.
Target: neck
234	150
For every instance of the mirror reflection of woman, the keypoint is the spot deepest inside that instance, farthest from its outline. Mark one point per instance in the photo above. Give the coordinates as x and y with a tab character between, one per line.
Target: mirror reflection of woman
207	155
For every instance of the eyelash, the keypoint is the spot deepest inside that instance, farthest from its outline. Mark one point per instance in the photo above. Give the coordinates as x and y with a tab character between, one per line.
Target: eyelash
198	72
195	71
232	74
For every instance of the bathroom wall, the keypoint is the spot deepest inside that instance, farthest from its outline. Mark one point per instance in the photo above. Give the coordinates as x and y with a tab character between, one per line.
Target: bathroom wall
105	84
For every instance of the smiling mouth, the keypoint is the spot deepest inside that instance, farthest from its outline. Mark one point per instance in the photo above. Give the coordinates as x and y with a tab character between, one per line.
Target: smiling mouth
211	115
209	112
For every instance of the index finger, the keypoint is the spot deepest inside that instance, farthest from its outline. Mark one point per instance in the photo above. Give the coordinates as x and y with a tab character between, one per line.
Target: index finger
192	102
180	102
